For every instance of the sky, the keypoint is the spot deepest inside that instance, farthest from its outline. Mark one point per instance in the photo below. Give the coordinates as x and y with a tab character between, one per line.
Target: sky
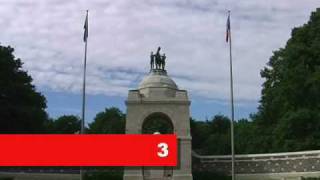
48	37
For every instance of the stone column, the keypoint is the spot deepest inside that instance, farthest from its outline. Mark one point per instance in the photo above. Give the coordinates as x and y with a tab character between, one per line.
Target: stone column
183	171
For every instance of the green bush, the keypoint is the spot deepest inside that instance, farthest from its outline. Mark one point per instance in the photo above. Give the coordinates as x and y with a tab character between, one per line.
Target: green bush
311	178
104	175
6	178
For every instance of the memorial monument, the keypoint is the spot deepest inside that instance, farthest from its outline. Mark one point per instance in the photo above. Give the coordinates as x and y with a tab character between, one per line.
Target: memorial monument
159	106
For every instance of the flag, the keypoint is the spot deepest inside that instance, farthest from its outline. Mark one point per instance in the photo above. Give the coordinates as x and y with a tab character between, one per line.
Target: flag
85	35
228	29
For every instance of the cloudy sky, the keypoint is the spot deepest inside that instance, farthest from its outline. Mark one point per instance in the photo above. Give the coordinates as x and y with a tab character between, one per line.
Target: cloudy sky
47	36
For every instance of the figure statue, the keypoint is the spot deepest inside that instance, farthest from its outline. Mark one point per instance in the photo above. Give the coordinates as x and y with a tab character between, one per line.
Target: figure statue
158	58
163	61
151	60
157	61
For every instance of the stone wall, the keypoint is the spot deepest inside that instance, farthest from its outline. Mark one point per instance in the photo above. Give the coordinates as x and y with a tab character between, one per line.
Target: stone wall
39	176
293	162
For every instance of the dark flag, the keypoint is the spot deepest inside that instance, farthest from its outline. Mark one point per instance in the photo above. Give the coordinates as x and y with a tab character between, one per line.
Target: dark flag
85	35
228	29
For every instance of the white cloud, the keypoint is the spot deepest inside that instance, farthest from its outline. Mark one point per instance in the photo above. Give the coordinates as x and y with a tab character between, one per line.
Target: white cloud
47	36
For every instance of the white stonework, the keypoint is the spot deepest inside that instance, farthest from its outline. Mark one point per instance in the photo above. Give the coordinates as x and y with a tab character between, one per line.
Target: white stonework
159	95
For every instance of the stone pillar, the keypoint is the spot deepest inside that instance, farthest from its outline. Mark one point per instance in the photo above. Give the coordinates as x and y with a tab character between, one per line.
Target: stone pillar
184	169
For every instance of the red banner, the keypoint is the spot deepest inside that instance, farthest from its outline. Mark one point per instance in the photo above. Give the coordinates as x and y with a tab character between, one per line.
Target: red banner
88	150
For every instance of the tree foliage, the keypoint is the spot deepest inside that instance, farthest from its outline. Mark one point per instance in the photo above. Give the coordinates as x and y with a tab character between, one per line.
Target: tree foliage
110	121
66	124
290	103
211	137
22	108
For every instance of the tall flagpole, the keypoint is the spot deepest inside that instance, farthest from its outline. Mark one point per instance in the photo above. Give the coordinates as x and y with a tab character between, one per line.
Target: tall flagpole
84	76
232	103
85	39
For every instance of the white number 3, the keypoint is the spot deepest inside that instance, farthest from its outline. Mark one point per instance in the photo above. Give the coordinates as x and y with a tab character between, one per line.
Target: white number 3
163	150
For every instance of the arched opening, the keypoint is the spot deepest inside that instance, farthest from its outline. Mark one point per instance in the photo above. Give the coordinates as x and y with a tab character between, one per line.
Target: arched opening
157	123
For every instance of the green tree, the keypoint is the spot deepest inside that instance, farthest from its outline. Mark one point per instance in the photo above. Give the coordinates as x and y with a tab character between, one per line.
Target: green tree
200	131
66	124
298	130
110	121
220	124
218	142
243	136
22	108
211	137
291	92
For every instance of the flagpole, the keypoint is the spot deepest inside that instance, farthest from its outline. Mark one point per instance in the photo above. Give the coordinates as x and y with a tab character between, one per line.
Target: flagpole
232	103
84	87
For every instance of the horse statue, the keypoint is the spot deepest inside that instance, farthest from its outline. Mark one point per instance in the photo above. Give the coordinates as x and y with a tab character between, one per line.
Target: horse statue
157	61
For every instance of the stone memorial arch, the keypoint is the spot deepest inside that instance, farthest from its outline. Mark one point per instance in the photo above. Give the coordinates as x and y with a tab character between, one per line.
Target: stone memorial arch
159	106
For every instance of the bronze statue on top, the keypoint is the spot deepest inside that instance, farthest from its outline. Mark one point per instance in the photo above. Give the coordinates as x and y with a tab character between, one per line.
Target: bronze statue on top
157	61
